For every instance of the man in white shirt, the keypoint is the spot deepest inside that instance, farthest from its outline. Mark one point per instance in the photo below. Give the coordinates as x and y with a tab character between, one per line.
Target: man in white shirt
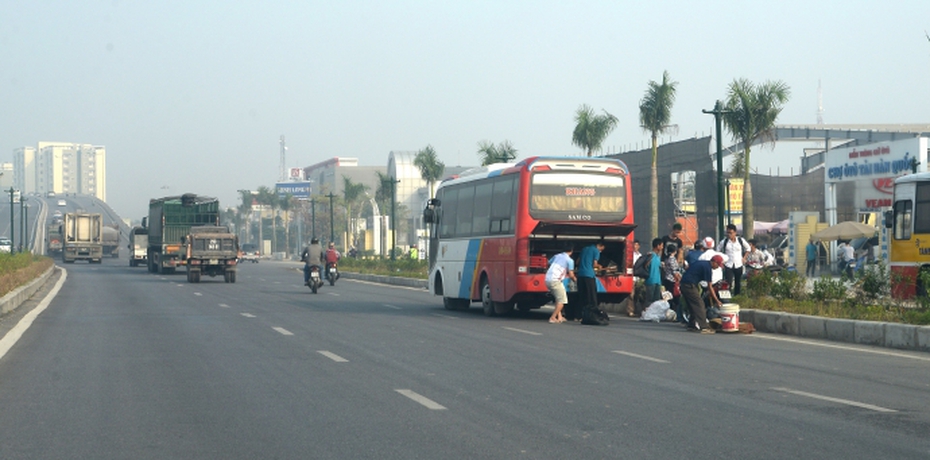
560	267
735	248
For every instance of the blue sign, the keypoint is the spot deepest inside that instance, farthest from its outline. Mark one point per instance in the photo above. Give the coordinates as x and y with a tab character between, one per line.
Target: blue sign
299	190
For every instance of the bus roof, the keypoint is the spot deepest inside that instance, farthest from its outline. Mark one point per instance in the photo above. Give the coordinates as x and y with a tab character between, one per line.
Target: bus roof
910	178
552	162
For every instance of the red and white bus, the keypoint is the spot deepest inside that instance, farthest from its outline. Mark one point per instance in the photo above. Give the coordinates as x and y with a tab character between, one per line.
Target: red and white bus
493	230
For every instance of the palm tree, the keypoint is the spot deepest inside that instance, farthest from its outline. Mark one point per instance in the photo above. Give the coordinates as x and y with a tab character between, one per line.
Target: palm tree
655	112
267	197
352	192
751	114
591	129
430	167
245	210
286	203
385	191
490	153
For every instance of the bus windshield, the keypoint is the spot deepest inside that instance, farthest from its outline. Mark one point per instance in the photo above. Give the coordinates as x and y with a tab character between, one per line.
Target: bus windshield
602	196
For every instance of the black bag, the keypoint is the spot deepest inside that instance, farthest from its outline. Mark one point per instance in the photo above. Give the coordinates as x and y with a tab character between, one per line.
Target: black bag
594	316
642	266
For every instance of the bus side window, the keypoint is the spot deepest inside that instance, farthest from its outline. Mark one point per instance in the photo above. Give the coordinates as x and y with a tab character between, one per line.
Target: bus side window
902	220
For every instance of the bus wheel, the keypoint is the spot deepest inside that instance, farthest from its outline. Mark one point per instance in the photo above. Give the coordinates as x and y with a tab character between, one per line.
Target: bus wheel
455	304
486	303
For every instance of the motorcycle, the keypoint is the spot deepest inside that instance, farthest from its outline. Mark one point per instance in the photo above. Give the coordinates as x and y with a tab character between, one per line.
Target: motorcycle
331	273
316	281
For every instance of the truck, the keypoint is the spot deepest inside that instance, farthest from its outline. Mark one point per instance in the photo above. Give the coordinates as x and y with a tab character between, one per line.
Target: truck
83	237
111	235
138	246
211	250
53	239
169	223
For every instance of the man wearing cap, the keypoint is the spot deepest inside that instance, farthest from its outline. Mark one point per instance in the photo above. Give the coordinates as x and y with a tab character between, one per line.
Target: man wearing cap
699	271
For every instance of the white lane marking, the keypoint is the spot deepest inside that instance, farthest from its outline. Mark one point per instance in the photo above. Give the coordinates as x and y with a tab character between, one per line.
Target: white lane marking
333	293
224	305
283	331
333	356
14	334
392	306
388	285
522	331
445	316
840	347
197	293
163	278
836	400
247	315
426	402
647	358
179	285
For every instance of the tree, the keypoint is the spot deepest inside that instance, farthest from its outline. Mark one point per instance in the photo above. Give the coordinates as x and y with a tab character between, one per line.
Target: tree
491	154
752	111
267	197
351	192
286	203
384	192
591	129
655	112
430	167
245	210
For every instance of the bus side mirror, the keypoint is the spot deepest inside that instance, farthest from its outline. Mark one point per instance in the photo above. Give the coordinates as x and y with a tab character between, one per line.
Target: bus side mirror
430	215
889	219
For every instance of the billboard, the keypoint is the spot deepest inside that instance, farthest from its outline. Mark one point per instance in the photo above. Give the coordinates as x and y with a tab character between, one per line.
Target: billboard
299	190
874	167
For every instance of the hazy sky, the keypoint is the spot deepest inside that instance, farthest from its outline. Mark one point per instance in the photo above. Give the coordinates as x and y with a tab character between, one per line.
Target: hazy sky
194	95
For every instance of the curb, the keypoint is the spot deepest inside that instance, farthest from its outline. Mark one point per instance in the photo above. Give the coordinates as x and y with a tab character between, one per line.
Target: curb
16	297
396	281
888	335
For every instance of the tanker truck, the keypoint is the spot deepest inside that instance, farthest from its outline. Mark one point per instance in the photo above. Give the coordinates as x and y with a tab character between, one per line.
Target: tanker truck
111	236
83	237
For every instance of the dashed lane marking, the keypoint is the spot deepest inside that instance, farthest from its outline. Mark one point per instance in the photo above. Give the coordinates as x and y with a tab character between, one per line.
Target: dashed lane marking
836	400
423	400
647	358
333	293
283	331
248	315
392	306
333	356
197	293
445	316
224	305
523	331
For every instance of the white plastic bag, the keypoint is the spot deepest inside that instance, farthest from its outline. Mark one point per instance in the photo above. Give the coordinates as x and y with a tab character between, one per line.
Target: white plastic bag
657	311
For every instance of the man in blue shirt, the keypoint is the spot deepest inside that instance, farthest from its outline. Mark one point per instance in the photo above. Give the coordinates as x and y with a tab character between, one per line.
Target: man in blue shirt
586	272
699	271
811	251
654	281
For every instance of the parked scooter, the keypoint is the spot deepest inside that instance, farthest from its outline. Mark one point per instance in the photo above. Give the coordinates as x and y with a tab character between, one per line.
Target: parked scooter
332	274
316	280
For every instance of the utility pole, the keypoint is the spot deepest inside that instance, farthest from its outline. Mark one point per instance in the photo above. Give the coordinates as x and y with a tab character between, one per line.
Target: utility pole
22	223
12	224
332	220
718	114
394	183
312	217
26	227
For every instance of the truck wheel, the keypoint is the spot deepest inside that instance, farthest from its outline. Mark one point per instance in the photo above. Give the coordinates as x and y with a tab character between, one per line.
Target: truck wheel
232	277
132	262
226	277
195	275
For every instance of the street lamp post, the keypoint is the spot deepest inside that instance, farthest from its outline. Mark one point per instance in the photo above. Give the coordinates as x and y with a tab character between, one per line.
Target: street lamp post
312	217
26	226
718	113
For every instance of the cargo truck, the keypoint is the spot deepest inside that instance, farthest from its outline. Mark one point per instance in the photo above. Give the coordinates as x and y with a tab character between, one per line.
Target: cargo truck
169	222
111	240
138	246
53	239
83	237
211	250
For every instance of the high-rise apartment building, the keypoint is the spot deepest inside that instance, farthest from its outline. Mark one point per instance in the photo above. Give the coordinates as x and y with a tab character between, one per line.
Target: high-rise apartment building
61	167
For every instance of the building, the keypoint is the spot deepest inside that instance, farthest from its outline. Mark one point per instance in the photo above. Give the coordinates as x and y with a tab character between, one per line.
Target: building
61	167
327	176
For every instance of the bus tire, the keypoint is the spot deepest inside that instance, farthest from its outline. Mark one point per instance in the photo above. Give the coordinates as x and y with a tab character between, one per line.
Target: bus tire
452	303
486	303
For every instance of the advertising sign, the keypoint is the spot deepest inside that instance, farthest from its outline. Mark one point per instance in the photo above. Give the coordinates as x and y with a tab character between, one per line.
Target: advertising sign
874	167
299	190
296	174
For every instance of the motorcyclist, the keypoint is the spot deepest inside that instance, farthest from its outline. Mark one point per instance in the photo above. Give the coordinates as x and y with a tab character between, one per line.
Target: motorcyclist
332	256
312	257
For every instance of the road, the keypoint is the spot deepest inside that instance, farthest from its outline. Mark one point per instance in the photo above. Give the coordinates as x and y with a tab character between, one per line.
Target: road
128	364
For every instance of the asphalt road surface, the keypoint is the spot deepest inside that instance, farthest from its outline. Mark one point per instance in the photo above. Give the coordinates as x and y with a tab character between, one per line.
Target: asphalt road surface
128	364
